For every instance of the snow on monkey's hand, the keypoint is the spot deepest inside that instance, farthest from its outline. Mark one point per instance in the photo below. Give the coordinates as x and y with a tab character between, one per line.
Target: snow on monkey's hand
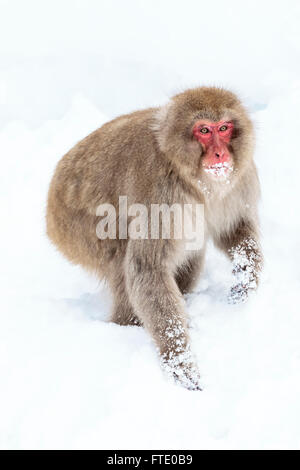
238	294
246	269
182	370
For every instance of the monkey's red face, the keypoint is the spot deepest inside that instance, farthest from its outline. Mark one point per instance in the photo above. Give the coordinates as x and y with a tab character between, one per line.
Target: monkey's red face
214	138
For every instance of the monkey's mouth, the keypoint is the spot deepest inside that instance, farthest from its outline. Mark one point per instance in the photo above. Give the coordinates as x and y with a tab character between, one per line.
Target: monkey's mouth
219	170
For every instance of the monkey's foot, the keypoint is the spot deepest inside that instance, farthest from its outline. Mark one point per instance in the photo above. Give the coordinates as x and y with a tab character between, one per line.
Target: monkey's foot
182	370
125	320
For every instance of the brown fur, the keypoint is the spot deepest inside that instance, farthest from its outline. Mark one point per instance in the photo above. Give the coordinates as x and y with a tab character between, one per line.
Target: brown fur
151	157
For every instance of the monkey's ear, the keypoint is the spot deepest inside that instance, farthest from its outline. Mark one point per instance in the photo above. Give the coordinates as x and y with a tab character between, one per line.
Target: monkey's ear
161	124
162	115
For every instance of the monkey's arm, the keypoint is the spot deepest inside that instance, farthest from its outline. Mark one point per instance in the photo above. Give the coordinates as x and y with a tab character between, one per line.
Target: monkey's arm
243	248
159	305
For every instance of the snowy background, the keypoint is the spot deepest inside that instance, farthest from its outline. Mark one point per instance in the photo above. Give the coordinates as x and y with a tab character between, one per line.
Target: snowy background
68	378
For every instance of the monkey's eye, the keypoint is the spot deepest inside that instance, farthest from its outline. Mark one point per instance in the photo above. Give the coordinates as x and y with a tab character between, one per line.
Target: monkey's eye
223	128
204	130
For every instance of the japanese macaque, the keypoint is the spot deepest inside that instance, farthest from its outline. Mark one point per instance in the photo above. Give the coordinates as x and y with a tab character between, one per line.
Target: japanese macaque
197	149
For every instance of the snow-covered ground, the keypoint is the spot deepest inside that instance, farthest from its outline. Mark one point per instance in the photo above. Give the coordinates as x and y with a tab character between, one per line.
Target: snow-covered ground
69	378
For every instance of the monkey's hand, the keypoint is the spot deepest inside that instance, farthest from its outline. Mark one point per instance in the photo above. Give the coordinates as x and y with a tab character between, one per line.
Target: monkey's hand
182	370
238	294
246	269
244	286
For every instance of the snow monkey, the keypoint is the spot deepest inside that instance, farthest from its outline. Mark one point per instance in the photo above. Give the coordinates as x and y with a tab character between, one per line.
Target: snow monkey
196	149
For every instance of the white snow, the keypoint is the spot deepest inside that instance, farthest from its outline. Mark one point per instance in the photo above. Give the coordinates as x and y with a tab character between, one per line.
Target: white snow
69	378
219	169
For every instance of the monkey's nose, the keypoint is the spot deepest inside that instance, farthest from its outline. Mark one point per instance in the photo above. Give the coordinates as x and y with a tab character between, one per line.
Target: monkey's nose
217	155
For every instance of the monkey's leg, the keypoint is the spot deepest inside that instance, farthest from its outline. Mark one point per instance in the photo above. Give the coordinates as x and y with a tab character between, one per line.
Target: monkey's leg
243	248
159	304
122	313
188	274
